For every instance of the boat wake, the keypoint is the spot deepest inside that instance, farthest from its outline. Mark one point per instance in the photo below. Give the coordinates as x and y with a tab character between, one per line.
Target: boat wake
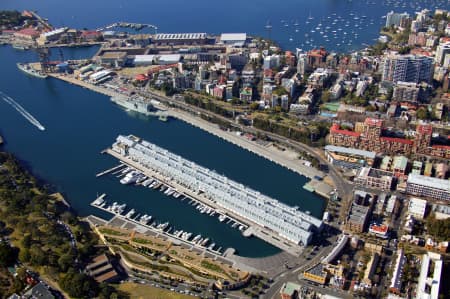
22	111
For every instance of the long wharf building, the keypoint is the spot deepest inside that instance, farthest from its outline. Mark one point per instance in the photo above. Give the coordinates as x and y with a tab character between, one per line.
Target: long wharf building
285	221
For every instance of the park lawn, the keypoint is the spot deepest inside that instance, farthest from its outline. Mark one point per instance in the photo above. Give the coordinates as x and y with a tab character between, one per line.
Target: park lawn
137	291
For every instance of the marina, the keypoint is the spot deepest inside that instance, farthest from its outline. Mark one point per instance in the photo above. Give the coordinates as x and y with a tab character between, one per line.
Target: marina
303	224
159	228
149	221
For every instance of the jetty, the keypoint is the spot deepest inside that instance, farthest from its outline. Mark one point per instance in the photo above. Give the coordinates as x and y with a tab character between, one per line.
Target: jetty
135	26
211	189
110	170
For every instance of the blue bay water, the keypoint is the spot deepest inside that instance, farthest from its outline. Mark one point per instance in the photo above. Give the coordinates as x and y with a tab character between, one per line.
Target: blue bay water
80	123
359	20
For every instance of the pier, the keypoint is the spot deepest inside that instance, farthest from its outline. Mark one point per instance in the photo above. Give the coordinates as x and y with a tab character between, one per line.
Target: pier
280	225
291	248
110	170
135	26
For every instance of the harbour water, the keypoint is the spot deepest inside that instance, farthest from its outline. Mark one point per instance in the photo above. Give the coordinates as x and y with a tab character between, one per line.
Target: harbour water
294	22
80	123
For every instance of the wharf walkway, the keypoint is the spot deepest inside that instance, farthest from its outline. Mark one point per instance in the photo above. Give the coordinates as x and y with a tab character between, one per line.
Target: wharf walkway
72	80
269	265
288	159
260	232
72	45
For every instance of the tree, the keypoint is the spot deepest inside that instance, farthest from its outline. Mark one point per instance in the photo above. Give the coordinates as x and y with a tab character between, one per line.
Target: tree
404	50
37	256
79	285
422	113
65	261
24	255
8	255
26	241
254	106
326	96
107	291
439	229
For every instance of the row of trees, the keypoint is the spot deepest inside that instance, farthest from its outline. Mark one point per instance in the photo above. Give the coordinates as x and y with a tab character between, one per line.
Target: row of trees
11	18
439	229
314	134
208	105
299	134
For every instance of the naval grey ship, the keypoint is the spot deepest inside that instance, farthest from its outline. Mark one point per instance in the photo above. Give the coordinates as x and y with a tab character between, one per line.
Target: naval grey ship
137	104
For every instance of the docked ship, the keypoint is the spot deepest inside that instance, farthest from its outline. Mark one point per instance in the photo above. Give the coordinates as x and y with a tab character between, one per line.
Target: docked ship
136	104
19	47
31	71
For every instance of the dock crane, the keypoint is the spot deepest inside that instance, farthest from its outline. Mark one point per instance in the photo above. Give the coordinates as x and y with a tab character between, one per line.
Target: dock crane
44	58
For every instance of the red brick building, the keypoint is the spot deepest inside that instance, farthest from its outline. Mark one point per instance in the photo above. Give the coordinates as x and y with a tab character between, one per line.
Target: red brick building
343	137
317	57
27	34
371	139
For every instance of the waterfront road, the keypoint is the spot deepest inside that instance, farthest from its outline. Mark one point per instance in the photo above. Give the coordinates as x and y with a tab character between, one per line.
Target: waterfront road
295	273
344	189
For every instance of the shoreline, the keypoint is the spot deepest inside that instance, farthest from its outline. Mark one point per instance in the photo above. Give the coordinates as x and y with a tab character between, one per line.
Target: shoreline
287	158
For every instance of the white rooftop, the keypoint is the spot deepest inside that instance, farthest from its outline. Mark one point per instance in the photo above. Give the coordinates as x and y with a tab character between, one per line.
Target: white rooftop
435	183
144	58
169	57
100	74
233	37
417	206
56	31
351	151
175	36
428	287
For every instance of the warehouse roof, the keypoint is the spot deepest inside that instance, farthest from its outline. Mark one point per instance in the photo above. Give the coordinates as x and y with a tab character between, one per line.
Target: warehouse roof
429	182
233	37
56	31
144	58
175	36
351	151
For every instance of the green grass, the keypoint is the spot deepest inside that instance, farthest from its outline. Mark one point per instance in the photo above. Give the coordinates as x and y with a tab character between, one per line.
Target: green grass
111	232
212	267
142	241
